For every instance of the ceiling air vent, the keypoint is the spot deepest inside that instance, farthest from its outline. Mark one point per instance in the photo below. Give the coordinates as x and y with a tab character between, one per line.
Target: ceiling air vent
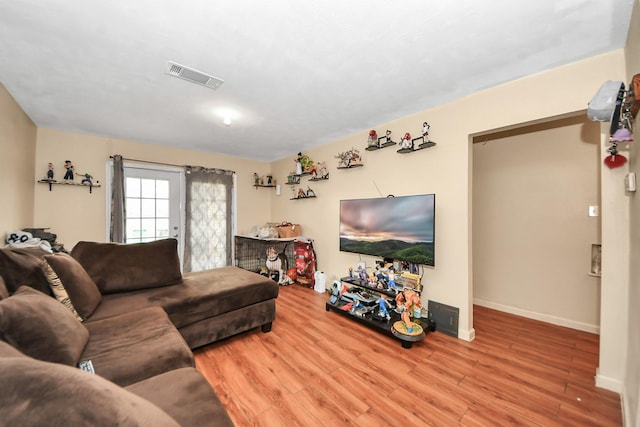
193	76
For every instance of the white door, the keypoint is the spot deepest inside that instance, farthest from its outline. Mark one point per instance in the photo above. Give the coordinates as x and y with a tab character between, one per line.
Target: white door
152	202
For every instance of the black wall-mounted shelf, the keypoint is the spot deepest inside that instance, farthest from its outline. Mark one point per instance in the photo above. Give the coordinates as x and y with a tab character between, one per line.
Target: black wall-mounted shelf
357	165
68	183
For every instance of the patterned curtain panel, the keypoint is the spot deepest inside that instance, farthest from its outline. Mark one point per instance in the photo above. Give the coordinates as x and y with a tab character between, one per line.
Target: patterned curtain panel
117	227
208	218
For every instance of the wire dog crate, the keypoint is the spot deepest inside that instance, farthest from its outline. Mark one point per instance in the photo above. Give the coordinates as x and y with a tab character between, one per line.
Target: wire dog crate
251	252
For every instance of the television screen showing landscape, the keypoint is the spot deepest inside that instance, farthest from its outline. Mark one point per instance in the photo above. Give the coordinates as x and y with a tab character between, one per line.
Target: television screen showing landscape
399	228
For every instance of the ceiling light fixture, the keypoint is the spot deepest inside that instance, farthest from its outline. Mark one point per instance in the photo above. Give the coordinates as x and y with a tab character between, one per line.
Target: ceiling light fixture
227	121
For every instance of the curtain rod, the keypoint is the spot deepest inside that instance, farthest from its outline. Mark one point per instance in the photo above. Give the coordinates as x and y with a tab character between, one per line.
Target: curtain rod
171	164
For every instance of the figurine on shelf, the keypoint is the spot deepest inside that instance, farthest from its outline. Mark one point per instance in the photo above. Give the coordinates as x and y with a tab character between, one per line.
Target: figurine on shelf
293	178
405	142
87	179
391	279
299	164
406	301
301	194
324	172
383	308
68	176
50	172
425	131
372	141
303	164
269	179
362	273
349	158
388	136
256	179
310	192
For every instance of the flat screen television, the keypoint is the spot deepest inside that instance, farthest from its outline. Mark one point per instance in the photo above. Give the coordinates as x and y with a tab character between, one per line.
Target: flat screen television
398	228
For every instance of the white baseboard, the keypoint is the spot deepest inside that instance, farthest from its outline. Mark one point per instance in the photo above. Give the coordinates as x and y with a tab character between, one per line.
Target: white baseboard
560	321
468	335
609	383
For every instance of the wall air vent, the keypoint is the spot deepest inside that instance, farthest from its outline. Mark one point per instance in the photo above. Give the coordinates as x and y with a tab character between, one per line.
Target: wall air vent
193	76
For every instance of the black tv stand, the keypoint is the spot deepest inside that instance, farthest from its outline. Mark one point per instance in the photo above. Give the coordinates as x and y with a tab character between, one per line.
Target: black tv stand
369	318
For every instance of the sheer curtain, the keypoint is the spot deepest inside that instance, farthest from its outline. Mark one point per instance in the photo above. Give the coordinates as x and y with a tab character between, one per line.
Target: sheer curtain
208	215
118	214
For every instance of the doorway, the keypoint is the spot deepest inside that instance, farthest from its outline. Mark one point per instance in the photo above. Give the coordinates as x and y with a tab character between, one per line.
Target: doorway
532	233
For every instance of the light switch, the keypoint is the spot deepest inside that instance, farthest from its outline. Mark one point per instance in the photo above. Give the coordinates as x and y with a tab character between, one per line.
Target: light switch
594	211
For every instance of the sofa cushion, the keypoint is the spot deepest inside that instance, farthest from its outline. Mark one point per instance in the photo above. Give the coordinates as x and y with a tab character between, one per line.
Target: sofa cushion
41	327
7	350
82	290
185	395
134	346
36	393
22	267
118	267
201	295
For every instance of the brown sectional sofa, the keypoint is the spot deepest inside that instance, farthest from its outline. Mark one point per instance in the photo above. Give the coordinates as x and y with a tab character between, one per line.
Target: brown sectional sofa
130	312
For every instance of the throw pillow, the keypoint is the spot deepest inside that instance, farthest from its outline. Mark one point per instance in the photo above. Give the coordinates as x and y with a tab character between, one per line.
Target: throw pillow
118	267
36	393
22	267
41	327
82	290
58	289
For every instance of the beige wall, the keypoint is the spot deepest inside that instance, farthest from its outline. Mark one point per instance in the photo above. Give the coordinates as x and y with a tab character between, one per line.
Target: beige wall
531	192
445	170
631	387
76	215
17	145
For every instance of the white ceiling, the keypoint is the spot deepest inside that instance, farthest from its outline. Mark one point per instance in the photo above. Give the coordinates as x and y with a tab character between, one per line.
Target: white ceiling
297	74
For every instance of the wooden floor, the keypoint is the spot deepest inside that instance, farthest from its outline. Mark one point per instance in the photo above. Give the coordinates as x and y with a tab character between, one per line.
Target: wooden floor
318	368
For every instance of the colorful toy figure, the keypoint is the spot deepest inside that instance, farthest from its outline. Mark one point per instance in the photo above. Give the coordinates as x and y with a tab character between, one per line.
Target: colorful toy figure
383	308
391	279
349	158
425	131
388	135
405	142
372	141
50	172
68	176
324	172
362	273
87	179
405	302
